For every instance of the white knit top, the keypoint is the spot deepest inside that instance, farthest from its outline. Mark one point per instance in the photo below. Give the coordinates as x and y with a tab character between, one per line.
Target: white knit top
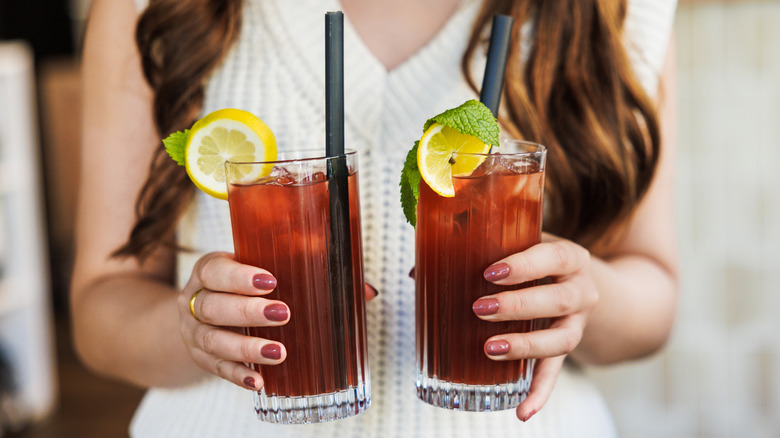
276	71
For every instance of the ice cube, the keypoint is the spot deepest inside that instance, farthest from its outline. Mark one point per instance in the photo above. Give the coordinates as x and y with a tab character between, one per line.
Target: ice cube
278	171
523	166
503	165
314	178
483	169
280	175
286	180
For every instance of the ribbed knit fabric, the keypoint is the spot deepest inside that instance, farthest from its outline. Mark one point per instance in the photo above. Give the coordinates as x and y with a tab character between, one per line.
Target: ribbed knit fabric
276	71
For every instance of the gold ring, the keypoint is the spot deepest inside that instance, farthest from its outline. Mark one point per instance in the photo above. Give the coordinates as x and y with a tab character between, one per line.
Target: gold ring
192	304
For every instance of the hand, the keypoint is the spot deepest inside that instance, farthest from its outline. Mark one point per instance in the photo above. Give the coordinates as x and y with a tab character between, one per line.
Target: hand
568	300
229	296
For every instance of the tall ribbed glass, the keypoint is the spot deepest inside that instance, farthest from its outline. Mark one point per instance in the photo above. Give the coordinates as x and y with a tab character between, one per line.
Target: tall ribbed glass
496	211
280	213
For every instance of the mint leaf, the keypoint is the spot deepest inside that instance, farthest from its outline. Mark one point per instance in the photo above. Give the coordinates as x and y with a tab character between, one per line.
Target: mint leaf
410	186
174	145
472	118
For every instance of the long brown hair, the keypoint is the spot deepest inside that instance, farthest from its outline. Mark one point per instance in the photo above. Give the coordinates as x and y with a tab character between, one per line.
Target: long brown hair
180	42
576	94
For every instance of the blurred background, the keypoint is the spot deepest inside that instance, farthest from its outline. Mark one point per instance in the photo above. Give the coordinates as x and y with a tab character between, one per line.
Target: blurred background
44	391
720	374
718	377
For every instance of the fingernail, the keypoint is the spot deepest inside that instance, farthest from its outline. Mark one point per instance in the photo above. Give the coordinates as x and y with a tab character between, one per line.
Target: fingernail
271	351
249	381
528	417
497	348
264	281
485	306
496	272
276	312
373	289
411	273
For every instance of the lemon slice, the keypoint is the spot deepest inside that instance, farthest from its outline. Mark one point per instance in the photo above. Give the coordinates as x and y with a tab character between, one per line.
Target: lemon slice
227	135
436	162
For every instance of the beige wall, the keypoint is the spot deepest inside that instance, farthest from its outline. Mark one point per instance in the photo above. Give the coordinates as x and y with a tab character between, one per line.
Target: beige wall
720	376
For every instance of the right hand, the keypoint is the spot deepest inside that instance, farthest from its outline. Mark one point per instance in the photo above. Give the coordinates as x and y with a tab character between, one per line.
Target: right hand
230	297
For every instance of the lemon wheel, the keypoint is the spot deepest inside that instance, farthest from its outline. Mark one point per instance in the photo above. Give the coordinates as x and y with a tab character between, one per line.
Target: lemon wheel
435	157
227	135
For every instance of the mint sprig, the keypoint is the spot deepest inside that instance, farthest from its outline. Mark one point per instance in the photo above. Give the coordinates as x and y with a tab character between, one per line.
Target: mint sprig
410	185
175	145
471	118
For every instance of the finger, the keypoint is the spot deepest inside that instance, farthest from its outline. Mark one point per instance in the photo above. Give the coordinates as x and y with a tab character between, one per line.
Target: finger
371	292
220	272
561	337
234	347
555	299
235	372
554	259
545	373
219	308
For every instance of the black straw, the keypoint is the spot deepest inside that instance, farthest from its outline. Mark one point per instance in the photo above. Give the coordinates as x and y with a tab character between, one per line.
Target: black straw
340	280
334	83
495	67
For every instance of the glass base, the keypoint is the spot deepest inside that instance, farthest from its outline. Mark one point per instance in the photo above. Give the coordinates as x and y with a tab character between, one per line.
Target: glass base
472	398
312	409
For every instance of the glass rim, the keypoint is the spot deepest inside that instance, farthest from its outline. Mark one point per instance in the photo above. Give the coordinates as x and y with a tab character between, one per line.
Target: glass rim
319	152
540	150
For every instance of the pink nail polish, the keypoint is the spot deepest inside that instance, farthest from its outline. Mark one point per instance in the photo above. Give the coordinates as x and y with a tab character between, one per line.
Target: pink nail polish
496	272
264	281
530	414
497	348
271	351
275	312
249	381
485	306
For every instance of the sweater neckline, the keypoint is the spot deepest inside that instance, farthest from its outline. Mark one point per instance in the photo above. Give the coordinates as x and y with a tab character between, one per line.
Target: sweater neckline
302	32
451	26
299	27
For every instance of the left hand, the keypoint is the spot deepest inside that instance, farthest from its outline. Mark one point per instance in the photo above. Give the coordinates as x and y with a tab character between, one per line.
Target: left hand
568	300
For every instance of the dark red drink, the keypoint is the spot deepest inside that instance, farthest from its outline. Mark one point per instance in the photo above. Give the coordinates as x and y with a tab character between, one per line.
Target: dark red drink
282	223
496	211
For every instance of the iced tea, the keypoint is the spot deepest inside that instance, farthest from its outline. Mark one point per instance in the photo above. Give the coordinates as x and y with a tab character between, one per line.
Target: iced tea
496	211
282	223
